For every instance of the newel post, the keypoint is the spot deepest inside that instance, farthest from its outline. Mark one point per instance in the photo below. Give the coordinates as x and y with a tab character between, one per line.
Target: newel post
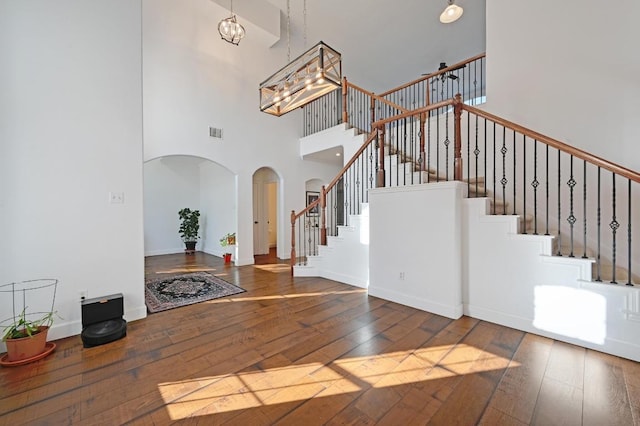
372	107
345	89
323	219
293	240
380	172
457	141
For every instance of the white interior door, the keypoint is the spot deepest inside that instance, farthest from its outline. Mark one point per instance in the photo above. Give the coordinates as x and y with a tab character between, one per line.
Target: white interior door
260	219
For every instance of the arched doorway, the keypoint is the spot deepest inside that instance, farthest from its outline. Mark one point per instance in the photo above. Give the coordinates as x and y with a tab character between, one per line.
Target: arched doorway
177	181
266	183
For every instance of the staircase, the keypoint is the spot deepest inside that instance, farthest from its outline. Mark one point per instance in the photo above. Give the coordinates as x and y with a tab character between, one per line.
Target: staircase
518	208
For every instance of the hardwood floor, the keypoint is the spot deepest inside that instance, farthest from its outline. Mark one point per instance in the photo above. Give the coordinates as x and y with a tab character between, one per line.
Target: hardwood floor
313	351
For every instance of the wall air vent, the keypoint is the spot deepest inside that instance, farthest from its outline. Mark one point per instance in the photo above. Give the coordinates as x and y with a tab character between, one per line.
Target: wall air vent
215	133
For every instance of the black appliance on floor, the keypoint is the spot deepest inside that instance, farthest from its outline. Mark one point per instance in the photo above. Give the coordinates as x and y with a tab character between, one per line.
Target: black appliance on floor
102	320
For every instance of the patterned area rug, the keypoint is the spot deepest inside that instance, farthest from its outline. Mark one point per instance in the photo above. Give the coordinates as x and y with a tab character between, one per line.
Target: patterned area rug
181	290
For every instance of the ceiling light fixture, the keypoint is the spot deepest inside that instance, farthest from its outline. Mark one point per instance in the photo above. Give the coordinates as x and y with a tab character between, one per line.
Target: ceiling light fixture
311	75
230	30
451	14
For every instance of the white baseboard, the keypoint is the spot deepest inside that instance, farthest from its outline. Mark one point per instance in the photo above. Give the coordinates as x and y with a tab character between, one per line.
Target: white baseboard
449	311
346	279
163	252
624	349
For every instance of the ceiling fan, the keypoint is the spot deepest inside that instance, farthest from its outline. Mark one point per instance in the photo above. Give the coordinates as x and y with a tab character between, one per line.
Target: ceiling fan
449	73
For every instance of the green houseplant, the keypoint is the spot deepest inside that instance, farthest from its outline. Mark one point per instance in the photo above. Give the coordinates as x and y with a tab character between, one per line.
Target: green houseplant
26	338
227	240
25	332
189	227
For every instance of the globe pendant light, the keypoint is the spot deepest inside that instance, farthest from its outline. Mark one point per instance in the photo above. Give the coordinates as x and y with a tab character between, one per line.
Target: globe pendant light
230	30
451	14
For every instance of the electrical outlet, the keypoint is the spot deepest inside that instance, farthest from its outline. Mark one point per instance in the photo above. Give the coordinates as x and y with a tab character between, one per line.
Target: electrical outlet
83	294
116	197
401	276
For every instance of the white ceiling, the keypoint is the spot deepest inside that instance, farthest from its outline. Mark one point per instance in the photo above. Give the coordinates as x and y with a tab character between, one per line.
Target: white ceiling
383	43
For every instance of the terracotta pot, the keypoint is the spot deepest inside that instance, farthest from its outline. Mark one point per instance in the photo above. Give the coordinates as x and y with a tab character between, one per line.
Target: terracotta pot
227	258
27	347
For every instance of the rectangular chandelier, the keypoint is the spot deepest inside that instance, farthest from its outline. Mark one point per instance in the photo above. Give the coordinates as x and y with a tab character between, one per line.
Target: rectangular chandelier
316	72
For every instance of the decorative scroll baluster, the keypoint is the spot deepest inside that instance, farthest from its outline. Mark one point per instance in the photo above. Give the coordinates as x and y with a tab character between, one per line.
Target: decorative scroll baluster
535	185
571	218
446	144
504	180
614	225
476	153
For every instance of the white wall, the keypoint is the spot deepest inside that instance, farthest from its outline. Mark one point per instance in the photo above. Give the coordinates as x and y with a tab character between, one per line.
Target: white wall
569	70
170	184
218	206
71	132
193	80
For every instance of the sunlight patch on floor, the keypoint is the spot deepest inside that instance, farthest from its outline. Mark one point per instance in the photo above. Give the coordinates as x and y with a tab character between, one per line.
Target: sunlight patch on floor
240	298
277	268
244	390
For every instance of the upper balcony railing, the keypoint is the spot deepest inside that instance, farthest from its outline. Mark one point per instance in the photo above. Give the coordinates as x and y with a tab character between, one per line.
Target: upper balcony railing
359	108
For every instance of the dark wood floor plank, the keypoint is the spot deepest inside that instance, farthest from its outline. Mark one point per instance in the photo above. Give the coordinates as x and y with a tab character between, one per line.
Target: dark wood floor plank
518	390
561	397
606	400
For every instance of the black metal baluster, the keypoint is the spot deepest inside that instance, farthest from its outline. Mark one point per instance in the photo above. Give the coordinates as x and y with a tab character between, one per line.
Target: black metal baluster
514	172
476	153
357	188
535	184
446	144
559	208
428	141
599	222
437	149
614	225
547	190
468	153
524	183
485	158
504	180
494	169
584	208
571	219
629	233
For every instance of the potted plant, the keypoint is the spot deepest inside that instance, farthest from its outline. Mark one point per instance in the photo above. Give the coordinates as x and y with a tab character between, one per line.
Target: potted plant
189	228
25	338
25	332
227	240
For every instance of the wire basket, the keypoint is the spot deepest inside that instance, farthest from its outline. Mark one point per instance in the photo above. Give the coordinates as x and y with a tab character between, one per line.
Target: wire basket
34	298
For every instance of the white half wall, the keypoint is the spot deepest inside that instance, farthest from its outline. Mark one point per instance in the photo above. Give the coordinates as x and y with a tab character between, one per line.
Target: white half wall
414	253
513	280
71	133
